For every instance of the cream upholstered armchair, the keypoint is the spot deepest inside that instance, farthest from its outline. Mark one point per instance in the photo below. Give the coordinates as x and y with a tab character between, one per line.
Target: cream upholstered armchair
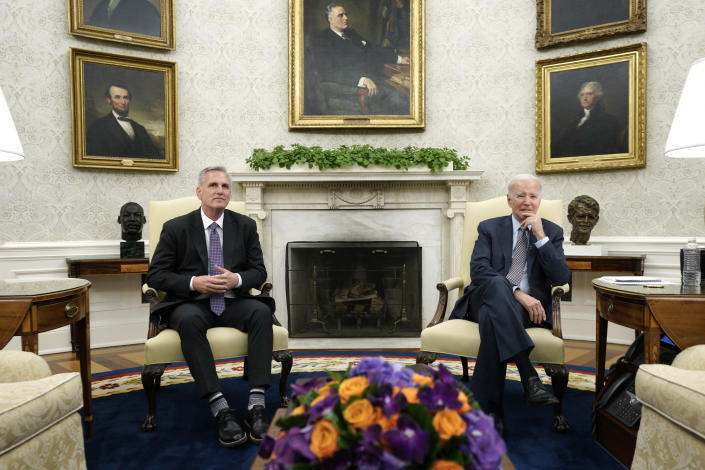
672	429
164	347
462	338
39	421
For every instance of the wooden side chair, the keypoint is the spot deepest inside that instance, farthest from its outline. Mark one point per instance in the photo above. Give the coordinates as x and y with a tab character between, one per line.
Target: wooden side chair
164	347
462	338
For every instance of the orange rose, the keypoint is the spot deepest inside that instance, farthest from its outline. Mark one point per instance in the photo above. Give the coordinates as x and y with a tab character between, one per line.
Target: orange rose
352	387
464	400
446	465
324	439
422	379
410	394
448	423
360	414
299	410
387	423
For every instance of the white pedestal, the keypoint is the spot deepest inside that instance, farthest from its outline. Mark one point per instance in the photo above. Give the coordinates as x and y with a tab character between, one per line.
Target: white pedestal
585	250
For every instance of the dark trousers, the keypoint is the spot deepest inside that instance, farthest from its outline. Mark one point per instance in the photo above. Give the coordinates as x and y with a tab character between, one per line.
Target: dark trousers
193	319
502	322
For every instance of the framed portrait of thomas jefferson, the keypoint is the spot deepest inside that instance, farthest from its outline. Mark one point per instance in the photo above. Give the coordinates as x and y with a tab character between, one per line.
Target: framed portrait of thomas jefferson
561	22
356	64
147	23
123	111
591	110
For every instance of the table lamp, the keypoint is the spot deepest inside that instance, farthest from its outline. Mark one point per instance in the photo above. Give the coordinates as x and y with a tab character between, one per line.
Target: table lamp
687	136
10	146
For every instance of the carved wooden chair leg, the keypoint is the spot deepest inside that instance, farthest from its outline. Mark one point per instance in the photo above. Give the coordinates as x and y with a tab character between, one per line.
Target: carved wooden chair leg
286	361
151	378
244	368
559	380
425	357
464	363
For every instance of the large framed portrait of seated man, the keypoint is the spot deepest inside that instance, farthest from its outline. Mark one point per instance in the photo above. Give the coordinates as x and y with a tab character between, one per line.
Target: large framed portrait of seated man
147	23
591	110
356	63
123	111
560	22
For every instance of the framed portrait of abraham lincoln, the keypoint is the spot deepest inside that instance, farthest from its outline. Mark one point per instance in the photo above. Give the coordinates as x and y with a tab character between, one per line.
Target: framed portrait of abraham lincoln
148	23
356	64
123	111
560	22
591	110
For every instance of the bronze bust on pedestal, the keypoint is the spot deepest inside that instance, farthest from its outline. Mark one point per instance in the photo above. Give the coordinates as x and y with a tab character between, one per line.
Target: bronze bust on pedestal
131	219
583	214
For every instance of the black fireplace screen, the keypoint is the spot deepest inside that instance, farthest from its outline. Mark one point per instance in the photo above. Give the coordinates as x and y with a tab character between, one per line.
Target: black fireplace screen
353	289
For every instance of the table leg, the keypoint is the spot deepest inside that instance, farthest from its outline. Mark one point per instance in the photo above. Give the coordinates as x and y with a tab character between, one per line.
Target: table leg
600	352
30	344
84	357
652	339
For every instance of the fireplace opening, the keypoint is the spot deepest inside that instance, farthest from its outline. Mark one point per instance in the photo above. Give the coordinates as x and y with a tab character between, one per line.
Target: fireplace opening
353	289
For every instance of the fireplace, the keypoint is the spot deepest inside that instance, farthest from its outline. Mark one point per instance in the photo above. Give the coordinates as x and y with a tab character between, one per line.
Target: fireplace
353	289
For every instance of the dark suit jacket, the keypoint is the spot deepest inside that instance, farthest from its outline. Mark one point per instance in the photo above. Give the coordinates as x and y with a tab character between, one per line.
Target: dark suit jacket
134	16
182	253
492	256
599	135
105	137
347	60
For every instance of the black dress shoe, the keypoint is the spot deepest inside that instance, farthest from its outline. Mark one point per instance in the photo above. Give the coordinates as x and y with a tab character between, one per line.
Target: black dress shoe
257	422
498	423
536	395
230	434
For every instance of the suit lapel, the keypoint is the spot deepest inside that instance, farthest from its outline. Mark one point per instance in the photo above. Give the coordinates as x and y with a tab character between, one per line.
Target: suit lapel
507	234
531	253
229	230
198	235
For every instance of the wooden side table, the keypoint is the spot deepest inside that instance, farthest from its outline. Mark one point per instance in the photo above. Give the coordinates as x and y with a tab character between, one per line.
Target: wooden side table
103	266
28	308
617	264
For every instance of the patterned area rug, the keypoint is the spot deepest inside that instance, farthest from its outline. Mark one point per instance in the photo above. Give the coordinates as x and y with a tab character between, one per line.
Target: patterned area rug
114	382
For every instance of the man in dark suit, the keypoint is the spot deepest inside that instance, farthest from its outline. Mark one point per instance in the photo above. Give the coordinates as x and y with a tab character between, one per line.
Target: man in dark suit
115	134
132	16
207	261
344	57
516	260
593	131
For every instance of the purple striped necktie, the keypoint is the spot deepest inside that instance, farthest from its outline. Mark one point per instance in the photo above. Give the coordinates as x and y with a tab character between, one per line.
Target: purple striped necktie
516	270
215	257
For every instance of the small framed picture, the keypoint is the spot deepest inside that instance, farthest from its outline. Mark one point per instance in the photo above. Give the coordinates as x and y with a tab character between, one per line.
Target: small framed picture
591	111
356	64
147	23
123	111
561	22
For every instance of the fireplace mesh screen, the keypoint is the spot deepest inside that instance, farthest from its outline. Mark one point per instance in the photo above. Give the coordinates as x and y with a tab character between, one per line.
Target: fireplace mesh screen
353	289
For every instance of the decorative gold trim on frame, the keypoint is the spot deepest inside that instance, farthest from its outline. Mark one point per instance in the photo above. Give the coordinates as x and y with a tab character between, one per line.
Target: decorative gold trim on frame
416	117
635	157
79	58
634	24
78	26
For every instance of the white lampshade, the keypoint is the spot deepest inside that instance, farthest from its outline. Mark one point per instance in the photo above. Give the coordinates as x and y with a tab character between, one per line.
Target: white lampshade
687	136
10	145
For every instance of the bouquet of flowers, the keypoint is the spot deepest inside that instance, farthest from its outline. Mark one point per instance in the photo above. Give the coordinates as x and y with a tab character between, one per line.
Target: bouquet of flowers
380	415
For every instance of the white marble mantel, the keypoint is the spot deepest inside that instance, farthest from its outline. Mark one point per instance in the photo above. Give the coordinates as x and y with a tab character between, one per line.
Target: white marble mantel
313	205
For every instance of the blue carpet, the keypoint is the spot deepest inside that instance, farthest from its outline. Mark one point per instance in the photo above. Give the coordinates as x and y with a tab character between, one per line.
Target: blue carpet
185	435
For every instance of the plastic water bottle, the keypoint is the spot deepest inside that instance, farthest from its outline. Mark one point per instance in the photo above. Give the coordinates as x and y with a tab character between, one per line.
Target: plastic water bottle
691	264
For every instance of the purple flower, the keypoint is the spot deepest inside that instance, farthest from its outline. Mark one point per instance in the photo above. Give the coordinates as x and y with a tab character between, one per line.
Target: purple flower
322	407
369	454
485	446
294	448
380	372
408	440
389	402
440	396
304	388
266	447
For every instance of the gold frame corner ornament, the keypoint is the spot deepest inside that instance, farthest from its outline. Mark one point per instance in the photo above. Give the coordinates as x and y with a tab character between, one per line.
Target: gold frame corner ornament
299	120
79	58
634	56
635	23
79	27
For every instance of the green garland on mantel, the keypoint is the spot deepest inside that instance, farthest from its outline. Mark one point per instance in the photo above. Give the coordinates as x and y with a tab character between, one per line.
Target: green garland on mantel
363	155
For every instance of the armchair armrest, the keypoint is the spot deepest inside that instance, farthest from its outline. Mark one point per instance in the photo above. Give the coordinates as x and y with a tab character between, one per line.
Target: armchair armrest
556	293
443	288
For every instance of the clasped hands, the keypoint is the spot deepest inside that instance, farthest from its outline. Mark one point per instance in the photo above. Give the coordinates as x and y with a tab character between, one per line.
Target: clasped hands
217	284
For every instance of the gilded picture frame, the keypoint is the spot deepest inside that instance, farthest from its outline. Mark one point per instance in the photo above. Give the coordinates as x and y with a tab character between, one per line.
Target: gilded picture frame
148	23
328	71
560	22
591	111
123	112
